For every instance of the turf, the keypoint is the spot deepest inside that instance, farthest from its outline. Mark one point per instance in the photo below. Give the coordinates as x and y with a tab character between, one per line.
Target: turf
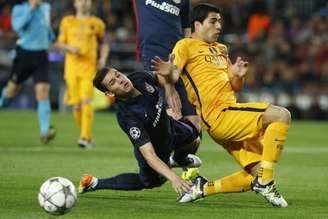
302	173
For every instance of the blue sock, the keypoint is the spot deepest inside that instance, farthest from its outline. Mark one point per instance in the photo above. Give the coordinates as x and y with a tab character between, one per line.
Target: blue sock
3	98
124	181
44	110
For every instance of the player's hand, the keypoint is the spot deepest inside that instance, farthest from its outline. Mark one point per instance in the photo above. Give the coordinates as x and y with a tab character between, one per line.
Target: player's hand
34	3
240	67
161	67
73	50
180	186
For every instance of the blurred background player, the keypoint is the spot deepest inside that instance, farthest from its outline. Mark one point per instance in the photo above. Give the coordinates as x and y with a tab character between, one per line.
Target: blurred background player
31	21
160	24
142	116
78	38
253	133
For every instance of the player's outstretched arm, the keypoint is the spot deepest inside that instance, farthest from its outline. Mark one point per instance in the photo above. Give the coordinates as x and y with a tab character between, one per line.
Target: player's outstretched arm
178	184
166	69
66	48
239	70
103	51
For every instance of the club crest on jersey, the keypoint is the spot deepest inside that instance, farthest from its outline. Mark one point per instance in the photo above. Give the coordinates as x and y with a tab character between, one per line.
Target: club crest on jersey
213	50
135	132
149	88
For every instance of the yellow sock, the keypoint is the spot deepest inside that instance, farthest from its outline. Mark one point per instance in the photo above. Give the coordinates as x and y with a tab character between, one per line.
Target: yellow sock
266	172
273	141
237	182
87	120
77	116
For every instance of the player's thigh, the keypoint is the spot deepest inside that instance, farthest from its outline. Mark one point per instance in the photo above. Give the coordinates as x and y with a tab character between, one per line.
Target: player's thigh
86	89
239	122
183	134
72	94
22	67
41	68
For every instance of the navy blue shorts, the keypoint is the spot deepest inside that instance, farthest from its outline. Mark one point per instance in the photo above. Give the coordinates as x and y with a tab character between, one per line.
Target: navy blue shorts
183	134
30	63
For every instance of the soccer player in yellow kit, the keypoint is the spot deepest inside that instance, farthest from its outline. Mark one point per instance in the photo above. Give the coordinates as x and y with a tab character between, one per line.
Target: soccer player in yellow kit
253	133
80	35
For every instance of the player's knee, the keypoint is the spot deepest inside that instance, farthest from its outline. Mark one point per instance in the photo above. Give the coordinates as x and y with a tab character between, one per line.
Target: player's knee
276	114
285	115
86	101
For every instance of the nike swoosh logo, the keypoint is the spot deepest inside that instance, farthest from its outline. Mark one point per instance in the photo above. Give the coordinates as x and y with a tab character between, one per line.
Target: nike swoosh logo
281	140
200	51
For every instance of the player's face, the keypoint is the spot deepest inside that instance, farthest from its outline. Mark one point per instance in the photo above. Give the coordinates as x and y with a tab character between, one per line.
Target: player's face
210	28
83	6
117	83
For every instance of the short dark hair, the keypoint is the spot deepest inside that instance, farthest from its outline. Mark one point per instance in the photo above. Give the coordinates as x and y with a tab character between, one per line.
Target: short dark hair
97	80
200	12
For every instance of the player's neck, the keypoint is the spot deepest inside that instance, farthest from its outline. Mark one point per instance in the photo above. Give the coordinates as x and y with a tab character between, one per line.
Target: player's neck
135	92
82	15
132	94
197	36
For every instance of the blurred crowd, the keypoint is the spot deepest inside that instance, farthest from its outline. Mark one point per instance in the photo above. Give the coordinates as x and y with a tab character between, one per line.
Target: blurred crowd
286	41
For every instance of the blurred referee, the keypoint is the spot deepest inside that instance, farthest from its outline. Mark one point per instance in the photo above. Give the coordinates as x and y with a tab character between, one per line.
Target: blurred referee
31	21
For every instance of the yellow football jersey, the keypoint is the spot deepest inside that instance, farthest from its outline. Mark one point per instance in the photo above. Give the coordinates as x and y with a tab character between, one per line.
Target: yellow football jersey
206	75
83	34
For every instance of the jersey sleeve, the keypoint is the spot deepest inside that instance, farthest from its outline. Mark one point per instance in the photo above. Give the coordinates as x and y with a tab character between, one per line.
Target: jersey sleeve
134	129
62	37
101	27
181	54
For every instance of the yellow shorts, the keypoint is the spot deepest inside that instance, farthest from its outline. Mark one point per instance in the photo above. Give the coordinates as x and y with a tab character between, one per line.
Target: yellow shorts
78	89
239	130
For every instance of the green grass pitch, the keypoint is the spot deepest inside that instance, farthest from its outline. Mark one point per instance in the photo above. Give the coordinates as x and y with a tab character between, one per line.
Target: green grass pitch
302	173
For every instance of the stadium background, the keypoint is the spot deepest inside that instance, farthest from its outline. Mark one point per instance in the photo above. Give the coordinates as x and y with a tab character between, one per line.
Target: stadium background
288	63
286	43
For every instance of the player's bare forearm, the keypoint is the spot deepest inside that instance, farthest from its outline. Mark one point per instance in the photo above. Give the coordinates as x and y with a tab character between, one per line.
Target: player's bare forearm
154	162
66	48
237	83
103	54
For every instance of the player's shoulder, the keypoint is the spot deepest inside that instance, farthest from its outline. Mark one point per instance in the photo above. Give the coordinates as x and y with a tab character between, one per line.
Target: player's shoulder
222	47
21	6
184	42
68	19
95	19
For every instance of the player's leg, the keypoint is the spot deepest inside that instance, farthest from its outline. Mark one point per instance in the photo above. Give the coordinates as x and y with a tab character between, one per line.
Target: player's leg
185	143
147	178
86	93
276	120
242	122
72	97
248	155
20	71
8	93
42	89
